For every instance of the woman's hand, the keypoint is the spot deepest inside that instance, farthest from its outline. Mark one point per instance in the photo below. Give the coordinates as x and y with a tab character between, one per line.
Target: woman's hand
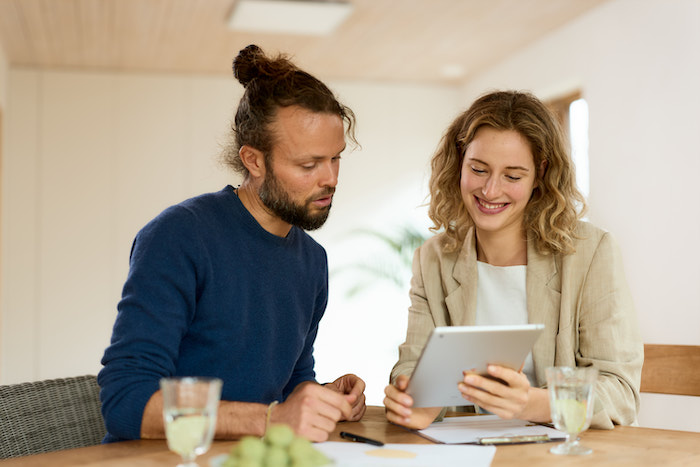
399	407
514	399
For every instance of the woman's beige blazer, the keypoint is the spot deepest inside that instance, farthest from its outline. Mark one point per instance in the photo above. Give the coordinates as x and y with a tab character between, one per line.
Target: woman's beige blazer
582	299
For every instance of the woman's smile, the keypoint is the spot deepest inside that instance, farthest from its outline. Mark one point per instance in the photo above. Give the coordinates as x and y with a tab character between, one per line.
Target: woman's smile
490	208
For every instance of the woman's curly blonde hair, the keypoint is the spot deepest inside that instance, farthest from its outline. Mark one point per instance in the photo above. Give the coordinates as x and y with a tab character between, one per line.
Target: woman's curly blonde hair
556	204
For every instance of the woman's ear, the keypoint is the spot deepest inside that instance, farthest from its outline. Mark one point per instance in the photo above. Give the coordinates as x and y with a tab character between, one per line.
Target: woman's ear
253	160
543	168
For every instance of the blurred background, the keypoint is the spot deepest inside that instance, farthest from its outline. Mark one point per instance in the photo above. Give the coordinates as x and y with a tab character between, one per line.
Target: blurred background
112	110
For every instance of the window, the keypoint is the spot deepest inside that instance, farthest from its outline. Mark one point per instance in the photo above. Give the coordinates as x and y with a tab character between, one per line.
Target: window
572	112
578	135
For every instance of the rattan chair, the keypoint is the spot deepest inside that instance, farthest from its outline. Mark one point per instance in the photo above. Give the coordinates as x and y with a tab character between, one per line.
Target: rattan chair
50	415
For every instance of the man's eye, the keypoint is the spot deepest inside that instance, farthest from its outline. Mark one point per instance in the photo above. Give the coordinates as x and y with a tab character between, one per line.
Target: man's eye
308	166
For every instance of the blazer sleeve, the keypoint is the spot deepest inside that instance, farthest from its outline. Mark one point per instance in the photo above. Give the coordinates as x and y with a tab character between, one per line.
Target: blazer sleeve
420	322
609	337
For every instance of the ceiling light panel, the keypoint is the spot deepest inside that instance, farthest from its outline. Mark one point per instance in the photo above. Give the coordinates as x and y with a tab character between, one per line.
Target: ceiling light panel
302	17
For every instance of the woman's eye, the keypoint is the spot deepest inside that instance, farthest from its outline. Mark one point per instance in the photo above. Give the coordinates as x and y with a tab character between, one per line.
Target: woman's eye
477	170
513	178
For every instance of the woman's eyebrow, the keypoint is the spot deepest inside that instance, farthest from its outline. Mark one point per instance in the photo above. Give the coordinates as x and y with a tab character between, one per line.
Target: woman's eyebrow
517	167
510	167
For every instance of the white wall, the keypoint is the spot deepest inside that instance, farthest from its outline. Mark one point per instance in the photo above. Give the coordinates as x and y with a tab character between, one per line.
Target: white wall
3	78
90	158
93	156
3	132
638	66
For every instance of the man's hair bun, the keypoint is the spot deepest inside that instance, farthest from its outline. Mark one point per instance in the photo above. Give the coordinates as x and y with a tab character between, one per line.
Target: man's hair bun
245	65
252	63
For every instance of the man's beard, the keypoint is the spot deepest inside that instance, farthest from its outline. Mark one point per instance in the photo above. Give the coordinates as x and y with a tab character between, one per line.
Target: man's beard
277	200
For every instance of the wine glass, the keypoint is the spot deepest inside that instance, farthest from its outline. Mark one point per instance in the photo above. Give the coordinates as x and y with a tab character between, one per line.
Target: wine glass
571	396
189	412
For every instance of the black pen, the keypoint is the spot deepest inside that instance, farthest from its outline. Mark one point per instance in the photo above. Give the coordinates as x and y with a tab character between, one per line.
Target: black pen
360	439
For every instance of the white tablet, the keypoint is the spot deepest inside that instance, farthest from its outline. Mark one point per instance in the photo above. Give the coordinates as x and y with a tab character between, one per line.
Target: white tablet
453	349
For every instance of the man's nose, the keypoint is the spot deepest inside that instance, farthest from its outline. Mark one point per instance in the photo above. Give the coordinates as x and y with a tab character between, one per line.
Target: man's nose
329	175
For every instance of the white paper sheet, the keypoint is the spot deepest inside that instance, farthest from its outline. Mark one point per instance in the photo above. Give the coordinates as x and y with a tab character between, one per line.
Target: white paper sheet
415	455
455	430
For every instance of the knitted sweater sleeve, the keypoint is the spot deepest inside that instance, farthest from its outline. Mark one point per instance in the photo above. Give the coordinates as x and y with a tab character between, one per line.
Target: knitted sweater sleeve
304	369
158	302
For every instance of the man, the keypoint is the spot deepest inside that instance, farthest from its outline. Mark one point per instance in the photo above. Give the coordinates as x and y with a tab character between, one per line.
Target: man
229	285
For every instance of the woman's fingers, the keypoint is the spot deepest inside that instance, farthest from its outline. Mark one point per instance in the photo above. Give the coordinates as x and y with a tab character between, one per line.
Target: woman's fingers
505	400
397	408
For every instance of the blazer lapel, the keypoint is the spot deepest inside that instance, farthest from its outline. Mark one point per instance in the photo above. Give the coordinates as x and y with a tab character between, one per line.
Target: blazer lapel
543	285
461	302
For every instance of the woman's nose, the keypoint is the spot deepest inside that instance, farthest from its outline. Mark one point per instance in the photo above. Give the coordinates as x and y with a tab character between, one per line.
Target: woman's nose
492	188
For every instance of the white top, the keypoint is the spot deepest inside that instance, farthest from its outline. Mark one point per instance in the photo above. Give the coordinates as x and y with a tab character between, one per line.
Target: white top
501	299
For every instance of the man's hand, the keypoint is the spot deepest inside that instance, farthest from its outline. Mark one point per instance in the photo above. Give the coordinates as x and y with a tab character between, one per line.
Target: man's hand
354	390
312	411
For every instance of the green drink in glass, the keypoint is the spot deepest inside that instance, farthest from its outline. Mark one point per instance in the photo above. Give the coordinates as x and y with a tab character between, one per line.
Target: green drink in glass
571	399
189	413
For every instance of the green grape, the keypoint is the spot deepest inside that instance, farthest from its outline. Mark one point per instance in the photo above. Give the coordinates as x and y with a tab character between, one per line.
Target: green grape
249	463
300	448
276	457
279	435
318	458
251	448
279	448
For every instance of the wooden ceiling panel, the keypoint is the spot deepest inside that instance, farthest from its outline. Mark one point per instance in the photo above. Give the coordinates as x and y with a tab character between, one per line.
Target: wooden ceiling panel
386	40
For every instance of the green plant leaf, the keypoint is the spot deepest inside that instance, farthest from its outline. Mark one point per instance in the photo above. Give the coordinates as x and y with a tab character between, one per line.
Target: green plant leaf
394	266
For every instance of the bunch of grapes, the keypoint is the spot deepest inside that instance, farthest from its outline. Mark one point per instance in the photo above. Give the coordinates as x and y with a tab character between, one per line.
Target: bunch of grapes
279	448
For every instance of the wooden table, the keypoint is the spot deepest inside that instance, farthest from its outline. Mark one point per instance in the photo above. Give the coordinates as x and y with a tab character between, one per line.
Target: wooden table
622	446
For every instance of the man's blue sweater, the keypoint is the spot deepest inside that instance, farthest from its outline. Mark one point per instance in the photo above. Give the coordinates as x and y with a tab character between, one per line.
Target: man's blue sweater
211	293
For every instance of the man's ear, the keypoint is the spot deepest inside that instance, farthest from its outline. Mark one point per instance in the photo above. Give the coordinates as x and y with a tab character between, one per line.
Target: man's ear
253	160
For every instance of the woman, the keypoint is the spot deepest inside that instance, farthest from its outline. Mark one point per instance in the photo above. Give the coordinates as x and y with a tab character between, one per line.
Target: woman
514	251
